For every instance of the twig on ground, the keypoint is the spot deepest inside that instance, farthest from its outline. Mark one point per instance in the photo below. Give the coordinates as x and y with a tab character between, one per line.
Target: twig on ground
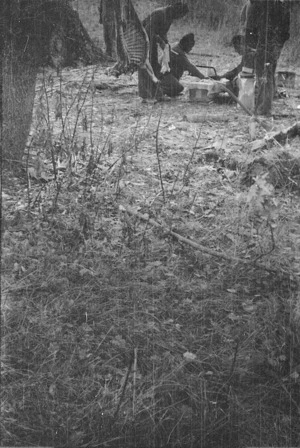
124	386
192	243
263	123
135	352
282	135
278	136
112	87
158	157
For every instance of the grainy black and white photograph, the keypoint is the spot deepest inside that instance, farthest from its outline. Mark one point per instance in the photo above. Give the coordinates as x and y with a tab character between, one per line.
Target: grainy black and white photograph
150	223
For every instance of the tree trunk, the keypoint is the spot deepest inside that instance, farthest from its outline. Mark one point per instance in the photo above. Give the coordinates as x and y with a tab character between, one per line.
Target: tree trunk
293	44
18	73
35	33
69	40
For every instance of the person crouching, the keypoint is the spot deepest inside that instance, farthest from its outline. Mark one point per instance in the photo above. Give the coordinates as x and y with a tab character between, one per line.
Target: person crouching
179	63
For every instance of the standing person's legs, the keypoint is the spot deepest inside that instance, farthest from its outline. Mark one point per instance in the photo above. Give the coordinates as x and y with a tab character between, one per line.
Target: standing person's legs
264	79
268	22
109	27
251	26
153	56
109	38
146	87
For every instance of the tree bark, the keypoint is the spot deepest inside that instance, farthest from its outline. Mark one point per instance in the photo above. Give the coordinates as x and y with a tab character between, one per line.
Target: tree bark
18	73
35	33
293	44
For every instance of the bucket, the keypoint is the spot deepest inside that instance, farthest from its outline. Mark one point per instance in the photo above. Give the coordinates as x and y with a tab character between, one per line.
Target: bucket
198	91
200	95
286	79
246	85
204	91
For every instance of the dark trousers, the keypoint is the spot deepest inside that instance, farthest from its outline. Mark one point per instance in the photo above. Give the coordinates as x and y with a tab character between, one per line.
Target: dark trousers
170	85
267	29
109	34
147	88
107	18
266	86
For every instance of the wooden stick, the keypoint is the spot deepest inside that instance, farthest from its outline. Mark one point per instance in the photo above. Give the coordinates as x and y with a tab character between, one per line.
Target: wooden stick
135	352
190	242
282	135
263	123
279	136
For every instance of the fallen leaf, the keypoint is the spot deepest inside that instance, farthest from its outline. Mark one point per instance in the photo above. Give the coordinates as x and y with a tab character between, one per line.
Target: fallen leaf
189	356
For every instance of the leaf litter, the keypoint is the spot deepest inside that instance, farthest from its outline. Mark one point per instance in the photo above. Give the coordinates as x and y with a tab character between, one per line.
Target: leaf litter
125	242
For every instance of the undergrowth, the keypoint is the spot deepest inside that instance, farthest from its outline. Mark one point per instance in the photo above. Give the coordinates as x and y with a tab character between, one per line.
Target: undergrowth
116	332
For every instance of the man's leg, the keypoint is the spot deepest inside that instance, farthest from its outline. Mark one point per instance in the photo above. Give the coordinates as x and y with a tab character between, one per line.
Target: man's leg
147	88
109	38
252	25
153	56
273	32
170	85
109	27
265	83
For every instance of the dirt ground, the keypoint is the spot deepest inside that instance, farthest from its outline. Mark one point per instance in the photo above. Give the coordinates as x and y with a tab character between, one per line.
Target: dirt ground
194	152
120	113
190	156
115	116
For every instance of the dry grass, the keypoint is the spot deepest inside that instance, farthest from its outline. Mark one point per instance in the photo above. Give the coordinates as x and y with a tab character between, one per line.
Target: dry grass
216	347
115	334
